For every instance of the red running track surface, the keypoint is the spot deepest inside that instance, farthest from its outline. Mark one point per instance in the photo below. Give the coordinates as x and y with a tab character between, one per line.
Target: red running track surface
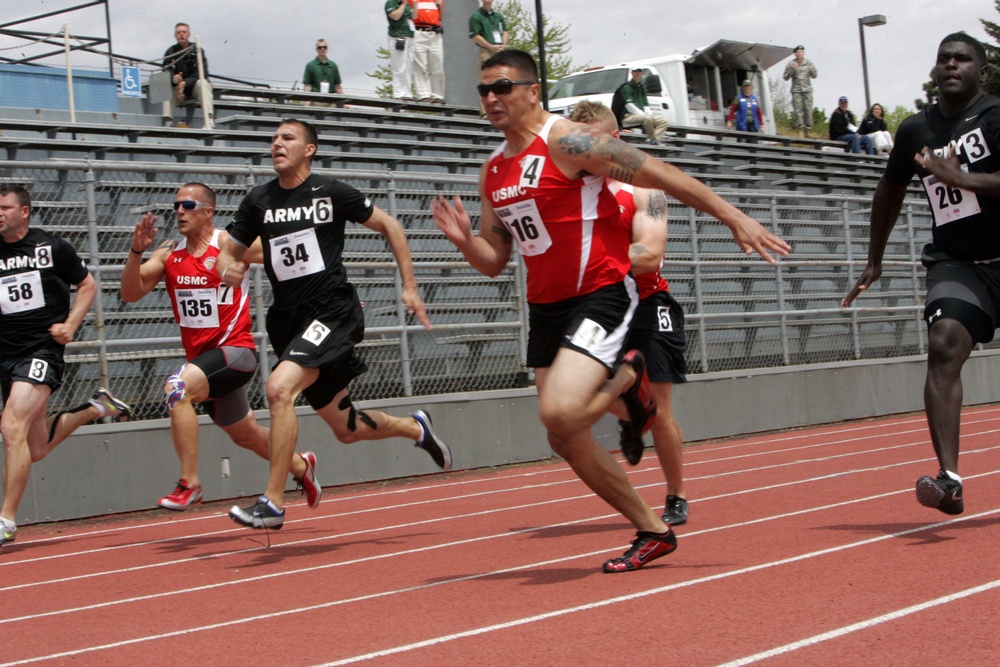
804	547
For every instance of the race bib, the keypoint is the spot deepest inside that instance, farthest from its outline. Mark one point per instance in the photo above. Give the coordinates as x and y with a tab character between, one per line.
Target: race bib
295	255
526	226
21	292
949	203
198	308
663	317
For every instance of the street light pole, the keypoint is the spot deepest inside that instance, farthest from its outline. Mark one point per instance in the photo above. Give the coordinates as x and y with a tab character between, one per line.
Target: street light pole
871	21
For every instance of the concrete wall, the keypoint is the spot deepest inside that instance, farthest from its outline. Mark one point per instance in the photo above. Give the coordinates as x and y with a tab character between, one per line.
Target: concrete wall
125	467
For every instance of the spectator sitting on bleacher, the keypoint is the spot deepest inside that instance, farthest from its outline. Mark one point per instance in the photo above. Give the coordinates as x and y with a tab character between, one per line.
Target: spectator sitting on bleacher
637	110
844	128
181	61
874	126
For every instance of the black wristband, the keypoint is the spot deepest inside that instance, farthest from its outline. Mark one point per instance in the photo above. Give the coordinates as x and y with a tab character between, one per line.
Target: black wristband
135	251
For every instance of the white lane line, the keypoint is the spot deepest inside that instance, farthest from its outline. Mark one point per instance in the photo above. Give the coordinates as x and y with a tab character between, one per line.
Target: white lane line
436	484
501	626
424	522
561	559
862	625
549	469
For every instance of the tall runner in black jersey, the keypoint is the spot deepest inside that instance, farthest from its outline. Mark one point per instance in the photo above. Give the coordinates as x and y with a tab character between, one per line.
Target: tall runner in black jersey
316	319
36	322
953	147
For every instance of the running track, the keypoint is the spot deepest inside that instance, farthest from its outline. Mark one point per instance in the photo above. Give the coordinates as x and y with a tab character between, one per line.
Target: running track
804	548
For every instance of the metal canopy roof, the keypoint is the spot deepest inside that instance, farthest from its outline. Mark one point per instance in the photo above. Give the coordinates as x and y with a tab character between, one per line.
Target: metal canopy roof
729	55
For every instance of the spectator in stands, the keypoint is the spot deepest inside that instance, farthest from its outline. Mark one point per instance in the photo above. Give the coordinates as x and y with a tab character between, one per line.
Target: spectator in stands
843	127
36	323
400	16
216	332
801	71
874	126
321	75
488	29
658	326
316	320
953	146
637	110
746	112
181	61
428	50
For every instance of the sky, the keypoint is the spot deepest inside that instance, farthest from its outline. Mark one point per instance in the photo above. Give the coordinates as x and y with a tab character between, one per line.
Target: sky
267	41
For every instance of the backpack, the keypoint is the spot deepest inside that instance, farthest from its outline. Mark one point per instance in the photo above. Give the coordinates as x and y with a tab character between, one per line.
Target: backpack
618	104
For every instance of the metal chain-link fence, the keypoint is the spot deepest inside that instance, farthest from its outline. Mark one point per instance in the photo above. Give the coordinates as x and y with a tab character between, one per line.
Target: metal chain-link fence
741	312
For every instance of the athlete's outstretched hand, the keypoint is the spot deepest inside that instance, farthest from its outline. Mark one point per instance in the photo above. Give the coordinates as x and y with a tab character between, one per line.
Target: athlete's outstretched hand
233	275
866	280
452	220
144	233
415	305
751	236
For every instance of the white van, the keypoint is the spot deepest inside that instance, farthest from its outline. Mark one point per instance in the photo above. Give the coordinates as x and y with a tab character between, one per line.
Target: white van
598	84
692	90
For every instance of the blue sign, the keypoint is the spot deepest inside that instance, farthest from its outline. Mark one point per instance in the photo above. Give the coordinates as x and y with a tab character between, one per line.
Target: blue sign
131	85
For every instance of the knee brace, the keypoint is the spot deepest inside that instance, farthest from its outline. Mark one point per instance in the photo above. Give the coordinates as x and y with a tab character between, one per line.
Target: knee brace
177	390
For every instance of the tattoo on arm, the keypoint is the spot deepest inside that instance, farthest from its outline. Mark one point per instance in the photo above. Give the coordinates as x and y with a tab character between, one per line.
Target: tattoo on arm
657	205
624	160
637	250
502	231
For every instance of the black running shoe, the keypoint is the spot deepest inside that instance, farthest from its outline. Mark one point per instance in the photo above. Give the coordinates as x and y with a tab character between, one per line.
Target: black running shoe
262	514
675	512
630	442
431	443
942	493
646	547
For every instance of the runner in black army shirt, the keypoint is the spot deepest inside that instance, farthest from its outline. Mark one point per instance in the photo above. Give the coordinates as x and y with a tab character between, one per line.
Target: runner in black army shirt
36	322
953	147
316	319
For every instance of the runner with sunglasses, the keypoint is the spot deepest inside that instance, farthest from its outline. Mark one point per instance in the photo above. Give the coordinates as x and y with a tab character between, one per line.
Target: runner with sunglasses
316	320
544	189
215	328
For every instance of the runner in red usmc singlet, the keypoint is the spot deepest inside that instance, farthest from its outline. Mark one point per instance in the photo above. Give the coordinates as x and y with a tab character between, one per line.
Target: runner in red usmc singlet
658	327
215	324
574	343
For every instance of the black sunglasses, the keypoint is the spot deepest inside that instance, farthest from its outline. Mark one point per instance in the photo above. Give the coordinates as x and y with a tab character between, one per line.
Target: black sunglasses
189	205
501	87
321	47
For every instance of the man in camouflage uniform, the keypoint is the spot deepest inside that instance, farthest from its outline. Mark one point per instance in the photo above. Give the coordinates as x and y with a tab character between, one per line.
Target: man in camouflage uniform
800	71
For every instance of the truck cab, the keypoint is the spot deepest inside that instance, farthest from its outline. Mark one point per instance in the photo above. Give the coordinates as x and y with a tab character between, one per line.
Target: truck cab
598	84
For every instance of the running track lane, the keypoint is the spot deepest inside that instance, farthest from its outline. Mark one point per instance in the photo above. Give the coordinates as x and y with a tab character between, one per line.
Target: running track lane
805	547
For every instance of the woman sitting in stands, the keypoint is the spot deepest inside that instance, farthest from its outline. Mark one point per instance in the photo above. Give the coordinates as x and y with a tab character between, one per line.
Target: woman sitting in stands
874	126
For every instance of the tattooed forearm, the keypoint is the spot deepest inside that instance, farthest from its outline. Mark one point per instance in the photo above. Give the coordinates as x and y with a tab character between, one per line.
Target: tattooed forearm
657	205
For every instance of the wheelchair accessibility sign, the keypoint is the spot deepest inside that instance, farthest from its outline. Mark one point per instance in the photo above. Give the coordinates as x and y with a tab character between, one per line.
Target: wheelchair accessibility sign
131	86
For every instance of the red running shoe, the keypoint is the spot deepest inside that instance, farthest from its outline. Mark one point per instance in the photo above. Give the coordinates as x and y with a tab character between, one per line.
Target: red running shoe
645	547
641	405
183	496
308	482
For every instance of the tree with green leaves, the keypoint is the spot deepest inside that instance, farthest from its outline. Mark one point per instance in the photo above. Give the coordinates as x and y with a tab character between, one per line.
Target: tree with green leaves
992	85
522	27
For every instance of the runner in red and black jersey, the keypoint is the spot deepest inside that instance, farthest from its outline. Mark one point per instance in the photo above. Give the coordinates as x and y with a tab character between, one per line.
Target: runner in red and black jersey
544	189
216	333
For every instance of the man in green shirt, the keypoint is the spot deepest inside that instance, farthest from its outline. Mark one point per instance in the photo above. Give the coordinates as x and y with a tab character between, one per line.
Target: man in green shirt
637	110
321	75
400	17
488	29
